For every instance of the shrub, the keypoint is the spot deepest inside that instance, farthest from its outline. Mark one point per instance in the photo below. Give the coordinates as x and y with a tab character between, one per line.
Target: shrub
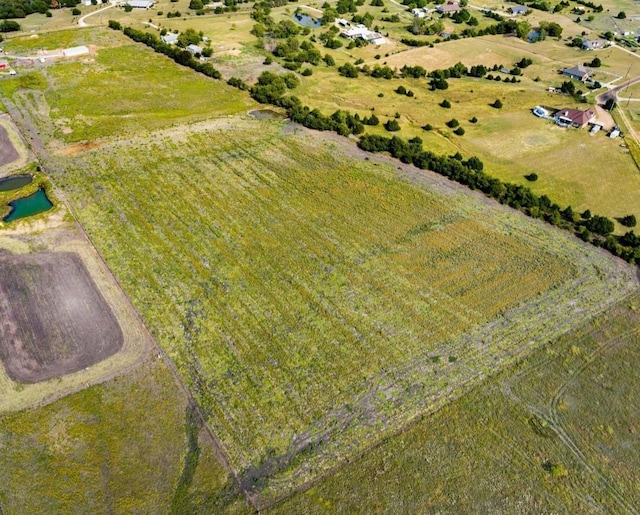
473	120
307	72
427	127
497	104
401	90
628	221
453	123
76	12
445	103
409	93
532	177
459	131
392	125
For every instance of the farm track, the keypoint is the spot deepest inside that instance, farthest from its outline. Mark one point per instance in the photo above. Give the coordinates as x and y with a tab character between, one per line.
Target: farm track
551	417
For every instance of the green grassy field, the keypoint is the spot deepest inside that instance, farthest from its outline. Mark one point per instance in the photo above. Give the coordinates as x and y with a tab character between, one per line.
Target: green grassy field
570	404
131	445
123	90
265	281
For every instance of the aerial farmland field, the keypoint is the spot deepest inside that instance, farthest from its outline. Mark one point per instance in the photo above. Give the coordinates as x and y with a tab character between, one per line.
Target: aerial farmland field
306	327
266	281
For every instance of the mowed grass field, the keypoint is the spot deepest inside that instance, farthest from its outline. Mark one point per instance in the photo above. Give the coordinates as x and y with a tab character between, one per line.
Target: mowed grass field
571	404
266	281
132	445
120	90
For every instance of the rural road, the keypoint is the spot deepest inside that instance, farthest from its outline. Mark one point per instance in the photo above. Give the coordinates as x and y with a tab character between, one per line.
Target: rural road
613	93
82	23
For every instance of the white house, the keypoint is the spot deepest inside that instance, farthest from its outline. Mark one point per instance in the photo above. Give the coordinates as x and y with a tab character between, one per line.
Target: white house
194	49
169	38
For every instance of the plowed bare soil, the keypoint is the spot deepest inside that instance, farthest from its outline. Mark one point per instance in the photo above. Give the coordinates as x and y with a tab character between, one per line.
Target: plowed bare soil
54	321
8	153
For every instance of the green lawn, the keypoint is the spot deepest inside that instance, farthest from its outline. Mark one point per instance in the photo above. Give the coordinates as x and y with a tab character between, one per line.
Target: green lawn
122	90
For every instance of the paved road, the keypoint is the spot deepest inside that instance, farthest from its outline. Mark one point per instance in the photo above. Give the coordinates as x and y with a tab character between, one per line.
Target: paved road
82	23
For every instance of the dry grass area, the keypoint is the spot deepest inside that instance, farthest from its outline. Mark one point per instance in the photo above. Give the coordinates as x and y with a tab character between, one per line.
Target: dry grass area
15	153
557	433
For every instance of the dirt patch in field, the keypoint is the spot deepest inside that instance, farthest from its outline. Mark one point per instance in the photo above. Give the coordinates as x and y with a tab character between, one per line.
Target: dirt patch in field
53	319
8	153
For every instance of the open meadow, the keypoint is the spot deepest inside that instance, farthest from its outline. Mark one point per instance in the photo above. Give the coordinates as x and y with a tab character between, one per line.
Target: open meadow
346	323
265	281
557	433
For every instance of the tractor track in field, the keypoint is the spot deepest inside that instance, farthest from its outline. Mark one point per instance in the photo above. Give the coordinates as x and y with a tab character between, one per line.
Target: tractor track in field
551	417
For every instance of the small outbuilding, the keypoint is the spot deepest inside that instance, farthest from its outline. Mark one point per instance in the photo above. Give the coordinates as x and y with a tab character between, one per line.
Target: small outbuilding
194	49
75	51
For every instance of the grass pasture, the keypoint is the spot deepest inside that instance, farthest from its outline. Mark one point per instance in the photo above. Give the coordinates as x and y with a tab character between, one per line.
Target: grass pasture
266	281
125	89
131	445
570	403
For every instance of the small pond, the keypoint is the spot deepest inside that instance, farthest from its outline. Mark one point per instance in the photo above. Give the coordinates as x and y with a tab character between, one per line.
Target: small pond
306	20
15	182
267	114
27	206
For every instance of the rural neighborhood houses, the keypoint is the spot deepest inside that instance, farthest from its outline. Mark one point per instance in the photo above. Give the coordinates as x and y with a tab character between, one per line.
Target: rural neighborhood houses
169	38
579	72
362	32
139	4
594	44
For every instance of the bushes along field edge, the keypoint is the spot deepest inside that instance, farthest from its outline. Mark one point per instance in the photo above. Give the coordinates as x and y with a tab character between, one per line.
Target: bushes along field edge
271	88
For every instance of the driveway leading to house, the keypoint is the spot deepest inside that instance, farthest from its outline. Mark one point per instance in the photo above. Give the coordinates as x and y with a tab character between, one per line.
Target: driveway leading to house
81	21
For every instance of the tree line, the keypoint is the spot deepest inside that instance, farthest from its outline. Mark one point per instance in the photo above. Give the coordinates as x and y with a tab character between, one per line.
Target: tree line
179	55
271	89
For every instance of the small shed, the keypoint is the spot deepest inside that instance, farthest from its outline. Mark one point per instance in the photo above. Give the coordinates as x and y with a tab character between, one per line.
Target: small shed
194	49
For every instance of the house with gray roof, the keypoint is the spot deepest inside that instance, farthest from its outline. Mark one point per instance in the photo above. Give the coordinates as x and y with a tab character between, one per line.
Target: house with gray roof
594	44
194	49
578	72
169	38
518	10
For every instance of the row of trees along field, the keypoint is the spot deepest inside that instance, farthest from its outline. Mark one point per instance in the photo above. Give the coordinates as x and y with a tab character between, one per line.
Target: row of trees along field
271	89
179	55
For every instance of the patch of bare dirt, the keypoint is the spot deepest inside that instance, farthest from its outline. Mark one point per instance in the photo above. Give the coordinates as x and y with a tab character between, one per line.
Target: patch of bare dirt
53	319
